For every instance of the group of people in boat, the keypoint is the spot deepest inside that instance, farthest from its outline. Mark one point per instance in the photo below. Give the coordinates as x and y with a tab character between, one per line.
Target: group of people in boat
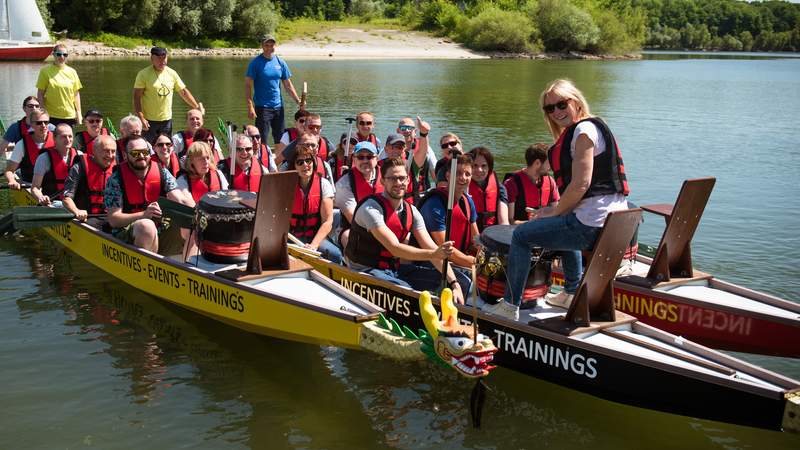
381	208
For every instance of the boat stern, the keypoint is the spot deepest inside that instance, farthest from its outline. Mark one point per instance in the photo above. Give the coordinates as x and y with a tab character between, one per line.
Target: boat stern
791	412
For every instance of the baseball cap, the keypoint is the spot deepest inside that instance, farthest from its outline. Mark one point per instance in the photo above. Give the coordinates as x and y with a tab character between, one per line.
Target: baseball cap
267	37
395	138
93	112
158	51
366	145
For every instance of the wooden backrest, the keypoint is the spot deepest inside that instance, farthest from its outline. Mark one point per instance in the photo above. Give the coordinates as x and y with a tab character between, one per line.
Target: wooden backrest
271	226
673	256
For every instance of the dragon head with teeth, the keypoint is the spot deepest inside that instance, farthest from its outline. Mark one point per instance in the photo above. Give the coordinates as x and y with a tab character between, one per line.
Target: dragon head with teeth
454	344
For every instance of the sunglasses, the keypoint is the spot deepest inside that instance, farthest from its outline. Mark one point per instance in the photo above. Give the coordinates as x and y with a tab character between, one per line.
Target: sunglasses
94	120
407	128
365	157
41	122
451	144
399	179
302	162
163	144
561	104
138	153
256	137
301	121
244	149
33	105
314	127
60	54
364	122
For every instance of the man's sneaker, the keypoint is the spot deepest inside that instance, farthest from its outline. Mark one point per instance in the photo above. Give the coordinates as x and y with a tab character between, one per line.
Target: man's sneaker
503	309
626	268
562	299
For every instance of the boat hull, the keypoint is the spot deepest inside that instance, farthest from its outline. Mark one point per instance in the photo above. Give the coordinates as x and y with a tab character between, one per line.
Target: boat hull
25	53
605	373
238	305
717	326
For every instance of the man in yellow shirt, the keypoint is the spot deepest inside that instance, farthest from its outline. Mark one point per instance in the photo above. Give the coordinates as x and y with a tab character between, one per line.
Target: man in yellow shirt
57	89
152	95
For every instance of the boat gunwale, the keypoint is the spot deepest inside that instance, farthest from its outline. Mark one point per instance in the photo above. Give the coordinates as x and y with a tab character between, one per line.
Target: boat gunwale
574	341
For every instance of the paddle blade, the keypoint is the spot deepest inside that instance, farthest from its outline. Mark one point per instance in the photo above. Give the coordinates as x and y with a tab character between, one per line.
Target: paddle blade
27	217
7	224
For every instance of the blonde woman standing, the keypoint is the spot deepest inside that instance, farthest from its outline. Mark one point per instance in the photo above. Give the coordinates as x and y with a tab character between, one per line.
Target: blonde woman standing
58	89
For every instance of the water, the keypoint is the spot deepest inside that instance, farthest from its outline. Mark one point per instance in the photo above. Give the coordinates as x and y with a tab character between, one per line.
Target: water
91	362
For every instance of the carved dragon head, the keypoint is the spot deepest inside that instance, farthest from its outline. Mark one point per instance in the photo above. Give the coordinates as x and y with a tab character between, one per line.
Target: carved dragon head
454	344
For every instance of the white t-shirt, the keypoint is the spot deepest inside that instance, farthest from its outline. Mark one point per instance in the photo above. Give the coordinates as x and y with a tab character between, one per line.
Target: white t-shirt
42	165
19	151
345	197
592	211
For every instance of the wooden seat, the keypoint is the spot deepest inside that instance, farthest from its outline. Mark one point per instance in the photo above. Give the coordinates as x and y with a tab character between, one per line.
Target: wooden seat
673	258
594	299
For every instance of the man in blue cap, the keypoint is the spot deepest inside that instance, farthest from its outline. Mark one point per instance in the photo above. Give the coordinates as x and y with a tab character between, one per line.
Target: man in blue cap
360	182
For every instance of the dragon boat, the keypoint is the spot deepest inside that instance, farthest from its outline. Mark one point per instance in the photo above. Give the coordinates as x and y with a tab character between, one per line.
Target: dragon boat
599	350
272	293
665	291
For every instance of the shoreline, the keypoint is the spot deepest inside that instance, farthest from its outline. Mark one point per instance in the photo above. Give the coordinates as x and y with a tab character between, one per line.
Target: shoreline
338	44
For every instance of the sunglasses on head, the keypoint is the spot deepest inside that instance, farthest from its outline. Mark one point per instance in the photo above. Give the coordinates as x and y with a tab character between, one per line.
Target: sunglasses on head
244	149
561	104
60	54
304	161
365	157
365	122
139	153
451	144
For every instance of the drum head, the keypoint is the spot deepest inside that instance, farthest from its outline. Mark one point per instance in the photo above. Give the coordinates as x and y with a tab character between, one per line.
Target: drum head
498	238
225	201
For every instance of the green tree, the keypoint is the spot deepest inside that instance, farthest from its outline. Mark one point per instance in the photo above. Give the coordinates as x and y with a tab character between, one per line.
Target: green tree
496	29
565	27
256	17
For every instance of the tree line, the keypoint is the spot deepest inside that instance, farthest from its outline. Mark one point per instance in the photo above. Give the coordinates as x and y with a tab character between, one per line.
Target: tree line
594	26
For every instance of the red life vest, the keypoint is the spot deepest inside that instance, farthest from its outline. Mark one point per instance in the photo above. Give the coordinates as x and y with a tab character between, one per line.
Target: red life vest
32	152
174	164
410	194
188	139
370	138
460	226
293	133
362	247
306	216
339	167
92	185
530	194
53	180
198	186
243	181
608	172
88	141
122	152
487	200
361	187
265	155
321	168
136	193
322	152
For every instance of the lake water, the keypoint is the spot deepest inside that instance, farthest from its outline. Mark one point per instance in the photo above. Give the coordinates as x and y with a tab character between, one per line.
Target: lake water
90	362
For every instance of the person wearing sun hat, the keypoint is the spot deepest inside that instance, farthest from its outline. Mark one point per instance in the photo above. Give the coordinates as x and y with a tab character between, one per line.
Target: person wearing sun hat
263	79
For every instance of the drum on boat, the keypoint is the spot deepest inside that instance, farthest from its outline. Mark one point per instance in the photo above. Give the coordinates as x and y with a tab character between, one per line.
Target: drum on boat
491	263
225	226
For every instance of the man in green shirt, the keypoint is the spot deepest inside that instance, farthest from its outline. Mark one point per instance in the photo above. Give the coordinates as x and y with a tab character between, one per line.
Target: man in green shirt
152	95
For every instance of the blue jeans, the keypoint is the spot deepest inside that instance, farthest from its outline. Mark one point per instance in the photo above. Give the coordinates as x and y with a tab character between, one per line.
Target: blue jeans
329	250
422	276
388	275
564	234
267	118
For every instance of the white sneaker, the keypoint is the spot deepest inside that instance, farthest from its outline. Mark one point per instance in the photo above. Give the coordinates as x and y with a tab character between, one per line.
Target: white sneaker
626	268
562	299
503	309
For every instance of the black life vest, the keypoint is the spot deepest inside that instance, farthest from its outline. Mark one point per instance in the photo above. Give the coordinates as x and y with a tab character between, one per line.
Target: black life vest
530	194
92	184
608	172
362	247
487	200
460	226
265	155
53	180
136	193
306	216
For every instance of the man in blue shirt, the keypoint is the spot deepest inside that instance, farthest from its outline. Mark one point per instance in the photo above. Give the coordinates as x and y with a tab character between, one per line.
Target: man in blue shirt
265	74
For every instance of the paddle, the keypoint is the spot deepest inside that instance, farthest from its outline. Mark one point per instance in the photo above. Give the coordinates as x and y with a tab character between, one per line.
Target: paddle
21	186
302	246
451	193
27	217
179	214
